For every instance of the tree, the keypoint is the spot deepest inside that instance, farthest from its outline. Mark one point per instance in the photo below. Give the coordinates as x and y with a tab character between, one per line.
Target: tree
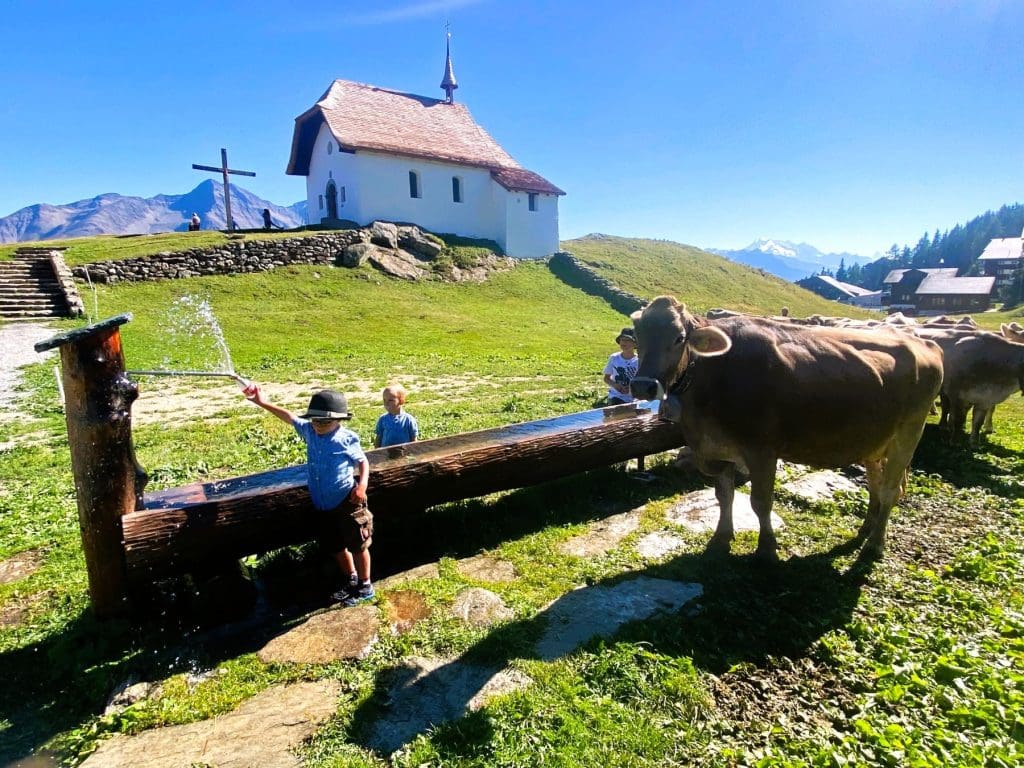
841	272
1013	293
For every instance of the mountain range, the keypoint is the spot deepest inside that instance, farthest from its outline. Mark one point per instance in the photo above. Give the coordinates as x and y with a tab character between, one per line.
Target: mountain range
114	214
790	261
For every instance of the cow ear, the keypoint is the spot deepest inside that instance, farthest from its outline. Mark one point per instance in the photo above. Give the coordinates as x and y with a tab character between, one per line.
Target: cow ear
636	315
709	341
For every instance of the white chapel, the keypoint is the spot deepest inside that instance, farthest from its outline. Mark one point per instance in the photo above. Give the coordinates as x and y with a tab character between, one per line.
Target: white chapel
371	153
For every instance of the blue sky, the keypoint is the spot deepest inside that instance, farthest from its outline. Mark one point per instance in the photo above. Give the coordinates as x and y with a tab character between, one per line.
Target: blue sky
847	124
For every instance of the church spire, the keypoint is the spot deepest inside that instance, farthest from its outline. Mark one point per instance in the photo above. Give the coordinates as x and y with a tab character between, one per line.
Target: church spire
448	84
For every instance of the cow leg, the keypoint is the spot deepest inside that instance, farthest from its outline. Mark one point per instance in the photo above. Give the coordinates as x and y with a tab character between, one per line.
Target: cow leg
762	495
873	469
725	489
945	405
957	418
978	417
891	482
987	427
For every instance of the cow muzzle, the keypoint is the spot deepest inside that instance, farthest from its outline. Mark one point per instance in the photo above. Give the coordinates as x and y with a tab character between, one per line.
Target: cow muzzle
644	388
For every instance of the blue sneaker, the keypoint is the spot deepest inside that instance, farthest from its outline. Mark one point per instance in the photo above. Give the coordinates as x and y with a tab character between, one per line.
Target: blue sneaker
358	595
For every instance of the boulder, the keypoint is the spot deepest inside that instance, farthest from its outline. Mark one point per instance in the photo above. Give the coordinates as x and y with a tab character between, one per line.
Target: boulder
412	239
356	255
397	264
384	234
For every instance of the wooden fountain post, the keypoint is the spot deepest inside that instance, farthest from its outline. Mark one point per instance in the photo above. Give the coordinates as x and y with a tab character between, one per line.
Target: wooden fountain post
108	480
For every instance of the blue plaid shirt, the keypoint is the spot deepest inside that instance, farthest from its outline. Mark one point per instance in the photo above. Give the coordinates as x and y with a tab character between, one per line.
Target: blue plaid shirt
331	463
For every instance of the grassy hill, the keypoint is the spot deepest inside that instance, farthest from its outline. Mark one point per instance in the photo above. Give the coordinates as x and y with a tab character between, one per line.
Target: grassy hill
826	660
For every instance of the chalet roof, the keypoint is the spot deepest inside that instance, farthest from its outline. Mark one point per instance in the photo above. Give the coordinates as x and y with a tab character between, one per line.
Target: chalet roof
941	284
1004	248
847	288
896	275
365	117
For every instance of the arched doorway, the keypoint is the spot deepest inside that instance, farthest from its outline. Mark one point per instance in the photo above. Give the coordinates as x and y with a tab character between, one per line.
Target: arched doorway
332	200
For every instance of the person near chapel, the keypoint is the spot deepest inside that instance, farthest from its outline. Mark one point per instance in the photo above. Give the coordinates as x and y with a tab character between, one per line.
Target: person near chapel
337	473
268	223
194	223
396	426
621	368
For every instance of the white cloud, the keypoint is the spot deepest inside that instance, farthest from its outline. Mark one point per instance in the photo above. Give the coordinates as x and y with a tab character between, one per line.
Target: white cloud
408	11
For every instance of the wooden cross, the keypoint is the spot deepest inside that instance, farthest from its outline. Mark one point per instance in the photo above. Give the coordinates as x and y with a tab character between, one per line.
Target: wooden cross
224	170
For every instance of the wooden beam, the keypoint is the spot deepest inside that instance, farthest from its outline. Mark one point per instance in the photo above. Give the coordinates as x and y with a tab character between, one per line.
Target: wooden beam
184	527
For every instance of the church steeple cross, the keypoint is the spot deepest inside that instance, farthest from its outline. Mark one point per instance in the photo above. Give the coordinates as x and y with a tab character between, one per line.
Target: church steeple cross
448	83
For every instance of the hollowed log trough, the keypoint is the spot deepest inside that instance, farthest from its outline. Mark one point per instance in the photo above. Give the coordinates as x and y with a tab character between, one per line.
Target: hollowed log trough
129	535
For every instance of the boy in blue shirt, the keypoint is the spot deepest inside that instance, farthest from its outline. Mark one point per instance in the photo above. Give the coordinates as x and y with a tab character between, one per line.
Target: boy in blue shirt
337	476
396	426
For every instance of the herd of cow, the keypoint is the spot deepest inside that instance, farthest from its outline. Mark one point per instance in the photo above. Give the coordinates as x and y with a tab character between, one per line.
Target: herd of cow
826	392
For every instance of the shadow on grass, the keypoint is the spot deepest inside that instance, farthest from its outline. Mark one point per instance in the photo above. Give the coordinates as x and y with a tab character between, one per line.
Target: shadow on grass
748	613
60	682
963	467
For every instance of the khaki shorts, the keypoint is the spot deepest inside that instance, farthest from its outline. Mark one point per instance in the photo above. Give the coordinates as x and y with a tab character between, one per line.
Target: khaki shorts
348	526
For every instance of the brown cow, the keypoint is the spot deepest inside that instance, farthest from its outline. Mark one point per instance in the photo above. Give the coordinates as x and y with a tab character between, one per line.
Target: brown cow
749	391
981	370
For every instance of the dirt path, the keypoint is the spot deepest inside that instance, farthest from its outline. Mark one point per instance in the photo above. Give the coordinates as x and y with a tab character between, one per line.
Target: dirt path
16	342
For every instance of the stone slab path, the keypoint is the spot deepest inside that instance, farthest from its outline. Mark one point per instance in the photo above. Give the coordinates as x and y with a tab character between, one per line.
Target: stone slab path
16	342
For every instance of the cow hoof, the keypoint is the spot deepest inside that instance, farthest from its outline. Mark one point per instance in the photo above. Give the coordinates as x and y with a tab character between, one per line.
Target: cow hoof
719	545
766	555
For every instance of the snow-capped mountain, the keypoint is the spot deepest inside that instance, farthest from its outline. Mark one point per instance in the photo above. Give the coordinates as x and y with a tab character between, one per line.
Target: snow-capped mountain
788	260
114	214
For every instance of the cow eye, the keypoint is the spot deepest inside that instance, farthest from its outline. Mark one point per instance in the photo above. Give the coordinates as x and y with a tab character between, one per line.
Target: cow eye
680	339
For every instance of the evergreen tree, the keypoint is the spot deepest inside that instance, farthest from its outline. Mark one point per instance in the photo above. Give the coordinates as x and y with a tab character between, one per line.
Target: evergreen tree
841	272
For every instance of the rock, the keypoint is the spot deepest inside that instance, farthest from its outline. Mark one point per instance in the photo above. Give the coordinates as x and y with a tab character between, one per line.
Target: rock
414	240
603	536
356	255
405	609
341	633
698	511
820	485
480	607
129	692
587	612
486	568
427	571
656	545
426	692
397	264
262	731
384	234
20	565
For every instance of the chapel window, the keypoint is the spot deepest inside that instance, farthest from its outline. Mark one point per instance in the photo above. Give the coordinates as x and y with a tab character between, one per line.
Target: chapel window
321	202
414	184
330	147
532	197
456	189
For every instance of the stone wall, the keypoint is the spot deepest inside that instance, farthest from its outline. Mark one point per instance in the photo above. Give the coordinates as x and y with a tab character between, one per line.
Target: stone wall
574	272
232	257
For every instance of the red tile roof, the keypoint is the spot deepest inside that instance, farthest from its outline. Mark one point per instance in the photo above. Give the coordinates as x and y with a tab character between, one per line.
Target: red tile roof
365	117
524	180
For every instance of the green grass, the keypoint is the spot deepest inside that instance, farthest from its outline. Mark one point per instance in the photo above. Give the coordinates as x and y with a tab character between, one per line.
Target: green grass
824	661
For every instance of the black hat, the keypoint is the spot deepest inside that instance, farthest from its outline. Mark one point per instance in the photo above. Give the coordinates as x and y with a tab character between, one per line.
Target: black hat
626	333
327	404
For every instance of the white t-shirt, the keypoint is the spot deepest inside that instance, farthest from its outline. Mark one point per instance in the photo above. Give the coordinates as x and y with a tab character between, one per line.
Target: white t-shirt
622	372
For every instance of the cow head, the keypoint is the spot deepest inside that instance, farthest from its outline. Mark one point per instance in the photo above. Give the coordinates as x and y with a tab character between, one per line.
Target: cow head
667	337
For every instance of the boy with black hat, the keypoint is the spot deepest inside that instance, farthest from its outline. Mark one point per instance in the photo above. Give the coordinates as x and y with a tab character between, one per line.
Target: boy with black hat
621	368
337	475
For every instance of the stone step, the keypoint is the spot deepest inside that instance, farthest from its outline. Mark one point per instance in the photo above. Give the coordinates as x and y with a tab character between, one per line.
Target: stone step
11	280
19	303
18	314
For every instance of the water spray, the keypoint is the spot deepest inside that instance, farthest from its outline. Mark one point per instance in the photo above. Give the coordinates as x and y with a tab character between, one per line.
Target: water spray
242	381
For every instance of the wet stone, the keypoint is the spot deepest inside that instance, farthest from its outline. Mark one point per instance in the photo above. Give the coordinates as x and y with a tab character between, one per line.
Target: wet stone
487	568
405	609
603	536
480	607
130	692
698	511
20	565
340	633
262	731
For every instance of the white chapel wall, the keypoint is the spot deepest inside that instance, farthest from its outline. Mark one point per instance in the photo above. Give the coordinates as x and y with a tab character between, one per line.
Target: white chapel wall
530	234
339	166
384	194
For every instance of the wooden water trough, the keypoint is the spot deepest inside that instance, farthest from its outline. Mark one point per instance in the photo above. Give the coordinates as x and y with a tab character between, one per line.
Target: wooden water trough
131	537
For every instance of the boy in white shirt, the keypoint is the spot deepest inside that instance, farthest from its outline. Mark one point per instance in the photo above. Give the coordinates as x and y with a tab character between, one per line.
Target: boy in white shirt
621	368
